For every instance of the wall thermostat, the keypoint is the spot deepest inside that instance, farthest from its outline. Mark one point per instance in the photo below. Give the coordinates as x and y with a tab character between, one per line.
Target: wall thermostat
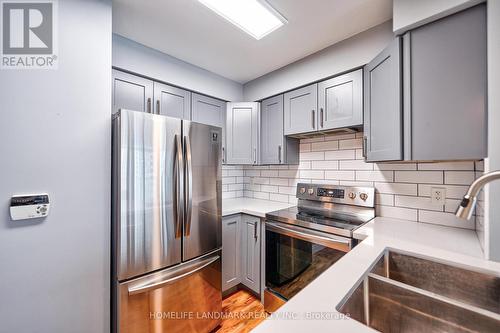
29	206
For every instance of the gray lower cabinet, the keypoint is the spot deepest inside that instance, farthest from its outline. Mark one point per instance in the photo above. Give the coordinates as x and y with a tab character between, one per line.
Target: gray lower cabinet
250	254
340	101
241	246
231	251
275	147
425	97
242	133
171	101
131	92
300	108
383	139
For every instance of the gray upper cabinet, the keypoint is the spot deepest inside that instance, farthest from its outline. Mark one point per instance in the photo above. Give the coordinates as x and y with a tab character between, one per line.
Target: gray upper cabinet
447	99
340	101
425	97
250	255
383	112
208	110
242	133
131	92
300	108
171	101
275	147
231	251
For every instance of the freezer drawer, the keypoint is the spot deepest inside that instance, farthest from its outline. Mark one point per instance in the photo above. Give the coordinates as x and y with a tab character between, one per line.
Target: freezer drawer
184	298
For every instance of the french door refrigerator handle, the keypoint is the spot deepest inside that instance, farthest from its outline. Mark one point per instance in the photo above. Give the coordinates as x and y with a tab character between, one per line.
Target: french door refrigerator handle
189	186
178	203
173	277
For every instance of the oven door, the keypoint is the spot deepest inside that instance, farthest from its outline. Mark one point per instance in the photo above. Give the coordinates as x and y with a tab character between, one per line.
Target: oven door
295	256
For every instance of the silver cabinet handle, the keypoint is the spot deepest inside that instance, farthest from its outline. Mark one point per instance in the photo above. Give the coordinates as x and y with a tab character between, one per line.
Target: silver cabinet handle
365	145
148	108
158	106
321	117
170	277
255	234
255	156
313	120
223	155
279	154
178	186
189	185
334	242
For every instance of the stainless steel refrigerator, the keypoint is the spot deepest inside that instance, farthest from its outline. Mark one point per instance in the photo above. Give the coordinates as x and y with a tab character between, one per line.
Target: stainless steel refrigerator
166	224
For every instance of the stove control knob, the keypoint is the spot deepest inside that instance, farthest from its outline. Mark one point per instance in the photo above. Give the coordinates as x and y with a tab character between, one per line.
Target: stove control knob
310	191
363	196
302	190
352	195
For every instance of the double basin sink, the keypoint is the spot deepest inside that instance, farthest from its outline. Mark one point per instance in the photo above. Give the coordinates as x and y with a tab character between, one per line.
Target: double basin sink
407	293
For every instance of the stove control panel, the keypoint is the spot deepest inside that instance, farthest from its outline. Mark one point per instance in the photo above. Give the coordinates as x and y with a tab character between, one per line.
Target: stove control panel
359	196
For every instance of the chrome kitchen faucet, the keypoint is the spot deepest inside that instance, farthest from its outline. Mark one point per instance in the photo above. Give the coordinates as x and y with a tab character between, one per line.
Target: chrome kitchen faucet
466	207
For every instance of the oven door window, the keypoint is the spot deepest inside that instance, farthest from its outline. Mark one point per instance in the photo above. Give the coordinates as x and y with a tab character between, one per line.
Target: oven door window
292	263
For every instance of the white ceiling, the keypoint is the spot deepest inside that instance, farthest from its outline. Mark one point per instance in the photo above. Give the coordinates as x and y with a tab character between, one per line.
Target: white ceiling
188	30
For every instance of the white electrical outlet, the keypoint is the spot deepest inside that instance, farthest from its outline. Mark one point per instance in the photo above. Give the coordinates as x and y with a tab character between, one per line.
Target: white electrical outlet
438	195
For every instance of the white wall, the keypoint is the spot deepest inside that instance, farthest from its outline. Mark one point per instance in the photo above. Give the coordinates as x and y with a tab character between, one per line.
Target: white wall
55	128
340	57
146	61
493	197
408	14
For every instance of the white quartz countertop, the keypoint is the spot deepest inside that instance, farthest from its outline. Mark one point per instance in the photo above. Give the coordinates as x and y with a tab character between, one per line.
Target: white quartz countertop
255	207
313	309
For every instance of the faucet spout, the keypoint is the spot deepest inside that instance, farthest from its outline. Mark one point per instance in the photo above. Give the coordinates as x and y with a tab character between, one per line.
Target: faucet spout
466	207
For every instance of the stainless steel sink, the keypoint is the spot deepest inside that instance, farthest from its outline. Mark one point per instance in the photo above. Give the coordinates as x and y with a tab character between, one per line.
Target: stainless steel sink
408	293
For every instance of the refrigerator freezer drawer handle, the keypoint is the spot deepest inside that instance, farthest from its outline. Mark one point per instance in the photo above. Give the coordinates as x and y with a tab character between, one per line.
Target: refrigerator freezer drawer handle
189	186
138	289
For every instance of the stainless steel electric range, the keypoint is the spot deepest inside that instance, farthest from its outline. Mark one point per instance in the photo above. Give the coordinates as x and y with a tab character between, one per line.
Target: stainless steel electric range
305	240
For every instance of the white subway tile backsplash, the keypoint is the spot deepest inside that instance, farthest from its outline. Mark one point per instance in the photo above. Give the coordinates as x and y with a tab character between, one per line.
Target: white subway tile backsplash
395	166
340	175
376	176
402	188
355	165
312	174
339	155
396	188
442	218
324	145
427	177
324	165
396	212
312	156
458	177
461	165
351	144
416	202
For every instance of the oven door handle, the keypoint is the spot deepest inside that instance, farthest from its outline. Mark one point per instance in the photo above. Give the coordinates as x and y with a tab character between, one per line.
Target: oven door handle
317	237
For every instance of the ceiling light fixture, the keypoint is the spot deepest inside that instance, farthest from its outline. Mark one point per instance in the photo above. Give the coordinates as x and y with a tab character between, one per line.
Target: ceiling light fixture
256	17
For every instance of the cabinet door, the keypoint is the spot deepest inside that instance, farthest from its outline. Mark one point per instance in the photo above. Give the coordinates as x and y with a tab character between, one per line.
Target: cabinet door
131	92
231	251
242	130
208	110
171	101
272	135
383	110
448	88
300	110
250	259
340	101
